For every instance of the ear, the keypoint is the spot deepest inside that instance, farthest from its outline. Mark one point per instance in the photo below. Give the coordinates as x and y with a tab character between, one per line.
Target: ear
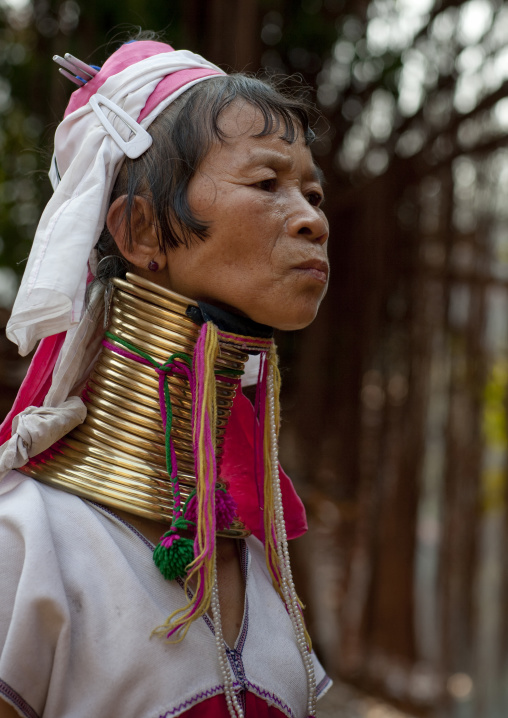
145	245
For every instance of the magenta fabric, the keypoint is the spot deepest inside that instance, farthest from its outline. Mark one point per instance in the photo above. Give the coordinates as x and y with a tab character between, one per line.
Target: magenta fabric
237	469
172	83
216	707
127	55
37	381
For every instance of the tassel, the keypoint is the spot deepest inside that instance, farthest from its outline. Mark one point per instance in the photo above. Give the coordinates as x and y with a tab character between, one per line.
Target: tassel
225	509
173	555
204	421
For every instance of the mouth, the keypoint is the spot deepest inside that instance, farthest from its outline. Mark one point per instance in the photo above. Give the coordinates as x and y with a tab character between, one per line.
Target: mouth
315	268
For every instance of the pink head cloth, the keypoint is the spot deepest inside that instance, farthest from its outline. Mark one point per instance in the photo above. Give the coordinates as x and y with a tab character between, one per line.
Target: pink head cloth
127	55
37	381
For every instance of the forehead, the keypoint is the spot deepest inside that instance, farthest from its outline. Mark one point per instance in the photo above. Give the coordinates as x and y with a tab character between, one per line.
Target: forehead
241	125
242	117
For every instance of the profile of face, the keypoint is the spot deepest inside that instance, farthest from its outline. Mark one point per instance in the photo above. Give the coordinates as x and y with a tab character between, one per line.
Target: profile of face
266	253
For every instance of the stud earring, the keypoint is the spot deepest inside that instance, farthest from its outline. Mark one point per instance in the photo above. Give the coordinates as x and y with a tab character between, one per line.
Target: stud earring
153	266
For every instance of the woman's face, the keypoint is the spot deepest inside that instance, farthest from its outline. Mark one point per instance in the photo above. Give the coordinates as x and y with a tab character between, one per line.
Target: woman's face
266	253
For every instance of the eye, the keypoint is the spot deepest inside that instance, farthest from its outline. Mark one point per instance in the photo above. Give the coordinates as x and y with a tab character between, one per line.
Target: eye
316	199
267	185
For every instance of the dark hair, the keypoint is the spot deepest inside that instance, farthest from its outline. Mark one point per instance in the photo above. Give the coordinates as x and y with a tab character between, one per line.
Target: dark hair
182	136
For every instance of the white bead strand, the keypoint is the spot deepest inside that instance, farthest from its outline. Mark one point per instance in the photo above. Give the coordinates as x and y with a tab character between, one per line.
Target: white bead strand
234	708
288	588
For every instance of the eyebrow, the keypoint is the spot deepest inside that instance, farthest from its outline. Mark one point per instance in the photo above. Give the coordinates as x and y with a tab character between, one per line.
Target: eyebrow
268	157
282	162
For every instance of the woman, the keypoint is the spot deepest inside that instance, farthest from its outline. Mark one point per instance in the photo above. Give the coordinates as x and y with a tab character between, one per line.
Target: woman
139	435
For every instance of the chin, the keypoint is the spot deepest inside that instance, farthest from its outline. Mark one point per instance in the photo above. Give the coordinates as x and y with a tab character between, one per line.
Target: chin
296	321
289	313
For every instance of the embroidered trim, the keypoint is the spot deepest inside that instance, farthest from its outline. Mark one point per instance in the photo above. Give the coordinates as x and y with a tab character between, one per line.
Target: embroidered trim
195	699
271	699
322	686
17	700
236	663
240	641
244	565
256	344
235	654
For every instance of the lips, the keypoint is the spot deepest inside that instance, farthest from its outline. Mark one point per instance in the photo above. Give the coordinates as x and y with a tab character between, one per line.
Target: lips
316	268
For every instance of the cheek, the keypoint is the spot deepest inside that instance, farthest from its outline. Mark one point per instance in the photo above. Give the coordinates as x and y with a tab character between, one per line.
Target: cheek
243	250
243	245
250	211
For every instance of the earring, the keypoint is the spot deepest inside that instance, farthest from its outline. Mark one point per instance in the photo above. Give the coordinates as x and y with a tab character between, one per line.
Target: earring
153	266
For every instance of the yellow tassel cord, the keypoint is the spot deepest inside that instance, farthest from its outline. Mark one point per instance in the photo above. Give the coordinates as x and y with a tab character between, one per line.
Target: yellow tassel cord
272	558
202	569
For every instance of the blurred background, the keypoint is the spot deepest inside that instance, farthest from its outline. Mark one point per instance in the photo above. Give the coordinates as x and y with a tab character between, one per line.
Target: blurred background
395	399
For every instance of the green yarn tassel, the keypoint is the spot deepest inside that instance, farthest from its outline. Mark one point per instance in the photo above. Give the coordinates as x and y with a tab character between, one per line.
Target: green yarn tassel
173	554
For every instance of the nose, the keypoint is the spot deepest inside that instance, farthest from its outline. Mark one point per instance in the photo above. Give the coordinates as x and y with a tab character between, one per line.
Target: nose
307	221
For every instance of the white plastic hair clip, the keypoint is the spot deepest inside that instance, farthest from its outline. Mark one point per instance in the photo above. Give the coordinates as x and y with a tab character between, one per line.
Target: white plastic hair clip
140	140
75	70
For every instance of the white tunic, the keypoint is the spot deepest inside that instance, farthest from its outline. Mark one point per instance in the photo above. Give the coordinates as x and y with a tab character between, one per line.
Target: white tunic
79	598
